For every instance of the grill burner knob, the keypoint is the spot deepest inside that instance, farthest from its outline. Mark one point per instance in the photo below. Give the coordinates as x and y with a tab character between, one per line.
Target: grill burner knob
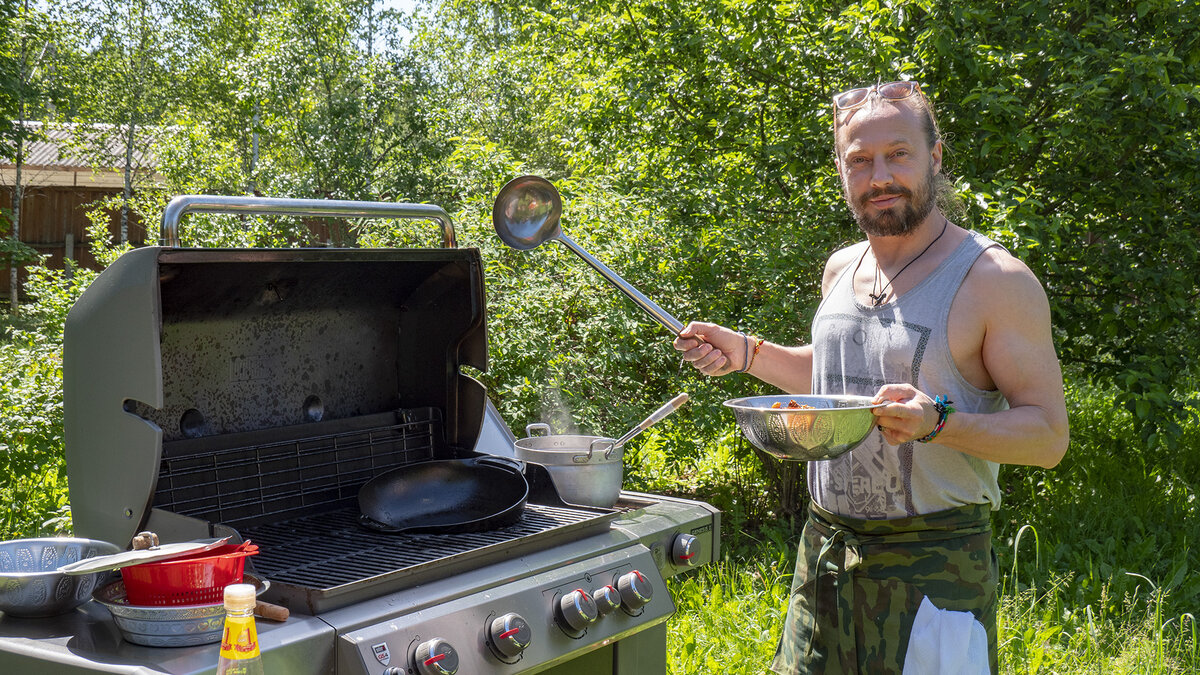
510	634
436	657
607	599
576	610
685	551
635	590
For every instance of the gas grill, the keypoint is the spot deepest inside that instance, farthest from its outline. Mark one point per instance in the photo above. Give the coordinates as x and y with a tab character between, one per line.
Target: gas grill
251	393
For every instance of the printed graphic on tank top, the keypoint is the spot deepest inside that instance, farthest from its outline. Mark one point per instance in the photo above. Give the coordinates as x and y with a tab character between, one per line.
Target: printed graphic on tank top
856	350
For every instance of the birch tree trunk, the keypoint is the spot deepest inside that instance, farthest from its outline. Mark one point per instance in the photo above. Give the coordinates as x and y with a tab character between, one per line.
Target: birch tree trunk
18	195
128	191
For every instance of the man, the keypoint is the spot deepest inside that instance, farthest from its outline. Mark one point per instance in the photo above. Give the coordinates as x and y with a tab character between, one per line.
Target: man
952	334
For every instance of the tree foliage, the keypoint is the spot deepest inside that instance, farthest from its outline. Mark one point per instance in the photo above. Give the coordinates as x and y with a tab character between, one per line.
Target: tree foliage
295	98
33	480
309	99
1071	127
10	80
691	142
26	36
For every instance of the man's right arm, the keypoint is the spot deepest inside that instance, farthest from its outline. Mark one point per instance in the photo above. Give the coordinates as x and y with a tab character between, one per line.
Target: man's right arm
715	350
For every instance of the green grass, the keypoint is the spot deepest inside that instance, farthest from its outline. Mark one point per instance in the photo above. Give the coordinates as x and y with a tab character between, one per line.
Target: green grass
730	613
1099	565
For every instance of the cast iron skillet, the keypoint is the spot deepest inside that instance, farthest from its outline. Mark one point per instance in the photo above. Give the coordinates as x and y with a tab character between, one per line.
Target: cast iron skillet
450	495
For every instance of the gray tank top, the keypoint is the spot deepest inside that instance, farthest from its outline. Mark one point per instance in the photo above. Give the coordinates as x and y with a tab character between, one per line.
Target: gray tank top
857	349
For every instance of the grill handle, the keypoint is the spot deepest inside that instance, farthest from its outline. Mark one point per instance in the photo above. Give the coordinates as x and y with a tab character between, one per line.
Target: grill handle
184	204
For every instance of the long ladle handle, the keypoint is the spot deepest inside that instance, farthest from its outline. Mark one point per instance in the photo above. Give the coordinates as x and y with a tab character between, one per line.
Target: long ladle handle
661	315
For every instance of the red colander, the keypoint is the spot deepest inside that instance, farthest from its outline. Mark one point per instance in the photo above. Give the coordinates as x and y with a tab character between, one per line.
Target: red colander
195	579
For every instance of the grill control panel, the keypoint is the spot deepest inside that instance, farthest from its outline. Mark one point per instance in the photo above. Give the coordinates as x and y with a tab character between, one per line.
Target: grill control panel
533	622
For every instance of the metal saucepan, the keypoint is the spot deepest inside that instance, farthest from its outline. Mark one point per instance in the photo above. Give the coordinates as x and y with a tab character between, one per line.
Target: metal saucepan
453	495
586	470
526	215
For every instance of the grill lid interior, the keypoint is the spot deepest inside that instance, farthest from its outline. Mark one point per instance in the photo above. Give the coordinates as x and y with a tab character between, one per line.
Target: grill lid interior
182	345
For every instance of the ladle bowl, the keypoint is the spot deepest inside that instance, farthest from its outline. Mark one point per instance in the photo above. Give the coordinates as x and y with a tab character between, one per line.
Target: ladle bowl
526	214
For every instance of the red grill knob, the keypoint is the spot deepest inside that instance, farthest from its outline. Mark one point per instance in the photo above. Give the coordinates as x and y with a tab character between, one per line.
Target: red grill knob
635	590
685	550
607	599
576	610
510	635
436	657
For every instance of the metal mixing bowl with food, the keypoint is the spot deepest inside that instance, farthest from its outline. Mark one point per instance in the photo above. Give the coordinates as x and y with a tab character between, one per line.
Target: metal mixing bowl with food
804	428
32	586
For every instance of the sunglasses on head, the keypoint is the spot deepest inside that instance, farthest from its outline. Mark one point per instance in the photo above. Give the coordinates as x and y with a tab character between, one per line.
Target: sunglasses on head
891	91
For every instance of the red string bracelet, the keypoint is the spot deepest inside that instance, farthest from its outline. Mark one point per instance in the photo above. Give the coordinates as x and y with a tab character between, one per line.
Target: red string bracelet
757	345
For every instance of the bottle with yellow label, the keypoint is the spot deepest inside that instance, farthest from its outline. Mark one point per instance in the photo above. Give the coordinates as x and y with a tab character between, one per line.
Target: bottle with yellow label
239	644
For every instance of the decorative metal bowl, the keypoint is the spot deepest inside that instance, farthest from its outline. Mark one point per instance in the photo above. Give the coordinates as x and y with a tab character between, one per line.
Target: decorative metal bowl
828	427
167	625
32	586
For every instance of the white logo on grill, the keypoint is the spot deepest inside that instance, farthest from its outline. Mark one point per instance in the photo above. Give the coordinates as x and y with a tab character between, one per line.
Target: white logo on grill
382	655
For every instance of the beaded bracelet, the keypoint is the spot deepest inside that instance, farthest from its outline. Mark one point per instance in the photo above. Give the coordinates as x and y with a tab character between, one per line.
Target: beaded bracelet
942	405
757	346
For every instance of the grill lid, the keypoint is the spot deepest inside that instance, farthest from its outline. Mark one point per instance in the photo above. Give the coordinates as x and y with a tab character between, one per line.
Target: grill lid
189	347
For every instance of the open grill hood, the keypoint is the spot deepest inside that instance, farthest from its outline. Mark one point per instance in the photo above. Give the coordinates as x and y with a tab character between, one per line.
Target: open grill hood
189	347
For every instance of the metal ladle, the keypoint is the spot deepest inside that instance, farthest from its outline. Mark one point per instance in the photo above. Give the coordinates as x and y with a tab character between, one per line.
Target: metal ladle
666	409
526	215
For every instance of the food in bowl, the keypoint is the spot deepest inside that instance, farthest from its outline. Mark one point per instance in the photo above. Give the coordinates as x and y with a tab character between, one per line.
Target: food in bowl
797	424
792	405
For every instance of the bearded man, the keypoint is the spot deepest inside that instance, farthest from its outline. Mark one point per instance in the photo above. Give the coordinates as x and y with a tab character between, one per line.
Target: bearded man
952	334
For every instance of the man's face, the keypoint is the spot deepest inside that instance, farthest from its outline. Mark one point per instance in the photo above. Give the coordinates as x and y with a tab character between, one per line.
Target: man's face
887	168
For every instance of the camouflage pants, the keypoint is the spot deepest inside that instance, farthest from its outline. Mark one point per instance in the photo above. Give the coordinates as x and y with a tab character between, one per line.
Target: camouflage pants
859	583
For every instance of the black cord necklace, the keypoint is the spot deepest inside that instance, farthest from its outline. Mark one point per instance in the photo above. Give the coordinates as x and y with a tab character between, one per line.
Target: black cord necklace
878	296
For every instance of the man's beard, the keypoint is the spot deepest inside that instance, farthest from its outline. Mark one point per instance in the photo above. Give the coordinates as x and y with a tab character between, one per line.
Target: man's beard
894	222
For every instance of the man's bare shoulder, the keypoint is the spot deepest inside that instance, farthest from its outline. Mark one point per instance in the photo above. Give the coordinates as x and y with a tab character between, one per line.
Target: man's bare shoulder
998	279
839	261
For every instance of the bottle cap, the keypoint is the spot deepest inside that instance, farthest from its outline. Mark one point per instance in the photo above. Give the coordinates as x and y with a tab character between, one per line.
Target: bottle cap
240	597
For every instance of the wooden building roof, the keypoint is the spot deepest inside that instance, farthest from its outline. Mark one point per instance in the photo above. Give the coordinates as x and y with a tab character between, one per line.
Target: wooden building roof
56	158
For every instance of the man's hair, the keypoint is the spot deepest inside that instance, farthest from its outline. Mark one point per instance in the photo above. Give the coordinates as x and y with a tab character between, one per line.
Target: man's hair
948	200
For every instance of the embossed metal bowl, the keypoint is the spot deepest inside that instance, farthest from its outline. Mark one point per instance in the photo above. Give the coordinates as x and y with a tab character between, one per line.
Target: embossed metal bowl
32	586
831	426
167	625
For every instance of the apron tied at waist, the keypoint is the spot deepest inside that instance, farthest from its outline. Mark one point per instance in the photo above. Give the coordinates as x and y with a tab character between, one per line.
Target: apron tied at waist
869	558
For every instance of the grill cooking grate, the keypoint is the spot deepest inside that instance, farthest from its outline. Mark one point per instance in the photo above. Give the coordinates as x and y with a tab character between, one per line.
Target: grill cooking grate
330	549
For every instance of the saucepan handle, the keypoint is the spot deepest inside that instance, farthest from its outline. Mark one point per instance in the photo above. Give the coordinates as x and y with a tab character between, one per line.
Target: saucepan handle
595	445
537	426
